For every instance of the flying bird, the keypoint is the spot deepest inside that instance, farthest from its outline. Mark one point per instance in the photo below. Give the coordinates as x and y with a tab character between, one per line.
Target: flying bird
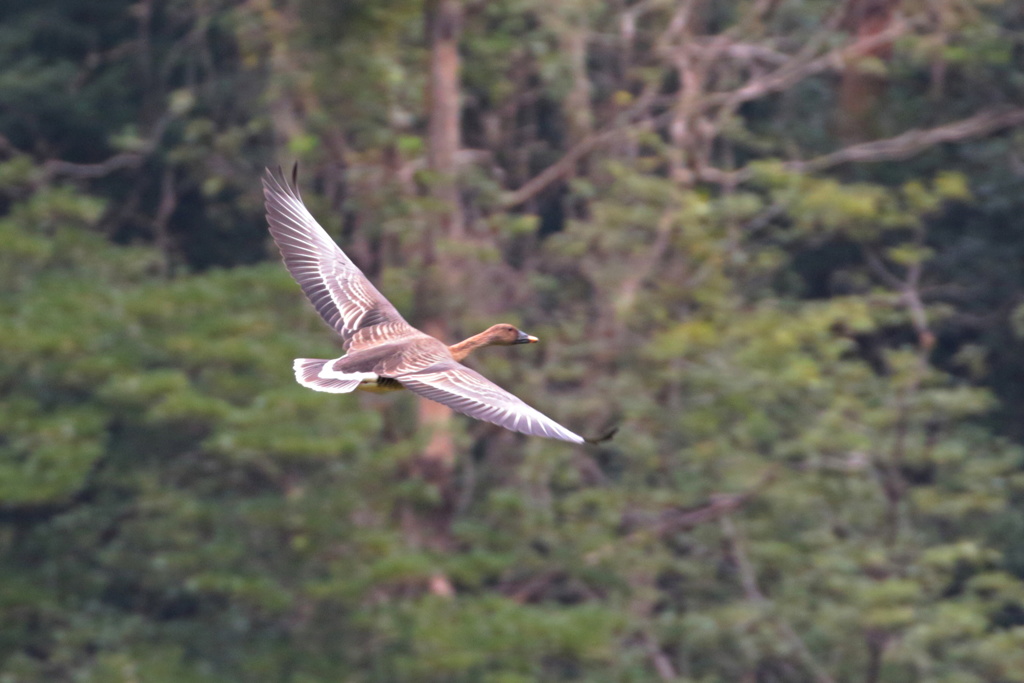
383	351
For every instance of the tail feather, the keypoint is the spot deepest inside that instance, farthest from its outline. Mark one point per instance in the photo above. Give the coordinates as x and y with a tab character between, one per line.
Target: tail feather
307	373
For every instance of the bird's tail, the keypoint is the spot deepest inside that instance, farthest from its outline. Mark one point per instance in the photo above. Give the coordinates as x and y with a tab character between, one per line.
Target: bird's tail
307	373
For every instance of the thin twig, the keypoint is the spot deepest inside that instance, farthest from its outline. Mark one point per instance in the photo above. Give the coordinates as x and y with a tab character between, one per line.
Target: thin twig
893	483
662	664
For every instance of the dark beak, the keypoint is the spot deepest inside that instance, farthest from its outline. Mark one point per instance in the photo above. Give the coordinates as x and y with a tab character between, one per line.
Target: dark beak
524	338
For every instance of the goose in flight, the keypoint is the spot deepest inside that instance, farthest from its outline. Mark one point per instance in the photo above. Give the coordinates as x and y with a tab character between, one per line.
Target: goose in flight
383	351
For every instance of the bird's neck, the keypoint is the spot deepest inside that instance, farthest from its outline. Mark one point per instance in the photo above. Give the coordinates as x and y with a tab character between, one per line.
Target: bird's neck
467	346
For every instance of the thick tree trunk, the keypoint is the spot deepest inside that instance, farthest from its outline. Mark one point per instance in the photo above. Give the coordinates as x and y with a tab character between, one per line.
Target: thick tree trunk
431	528
443	23
577	103
860	89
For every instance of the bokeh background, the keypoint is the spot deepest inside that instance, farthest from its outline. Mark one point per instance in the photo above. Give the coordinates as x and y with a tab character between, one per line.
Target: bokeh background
780	243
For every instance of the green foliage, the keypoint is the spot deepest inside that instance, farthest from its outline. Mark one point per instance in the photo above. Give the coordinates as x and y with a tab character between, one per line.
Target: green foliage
817	375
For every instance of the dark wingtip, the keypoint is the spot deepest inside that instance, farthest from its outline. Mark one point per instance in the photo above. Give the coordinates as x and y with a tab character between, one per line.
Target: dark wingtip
280	180
607	436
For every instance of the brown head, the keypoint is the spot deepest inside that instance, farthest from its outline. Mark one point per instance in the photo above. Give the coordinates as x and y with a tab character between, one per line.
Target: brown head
504	334
501	334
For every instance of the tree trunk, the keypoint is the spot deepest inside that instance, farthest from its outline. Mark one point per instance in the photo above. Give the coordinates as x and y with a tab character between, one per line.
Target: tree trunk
577	103
431	528
443	23
860	89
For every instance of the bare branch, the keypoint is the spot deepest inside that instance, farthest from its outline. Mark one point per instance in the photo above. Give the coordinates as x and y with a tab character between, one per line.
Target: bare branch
120	161
641	525
533	586
902	146
563	167
748	578
717	505
777	80
165	209
892	481
645	265
752	52
737	550
757	87
676	26
58	167
914	141
798	70
874	261
911	297
757	13
554	172
662	664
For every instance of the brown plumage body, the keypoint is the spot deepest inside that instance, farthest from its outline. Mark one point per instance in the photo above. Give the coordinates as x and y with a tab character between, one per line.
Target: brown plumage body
501	334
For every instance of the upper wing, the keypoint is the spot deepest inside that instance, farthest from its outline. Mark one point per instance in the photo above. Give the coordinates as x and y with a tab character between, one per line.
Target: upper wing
337	288
470	393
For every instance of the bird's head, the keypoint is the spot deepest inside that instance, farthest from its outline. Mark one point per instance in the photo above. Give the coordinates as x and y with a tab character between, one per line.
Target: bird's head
504	334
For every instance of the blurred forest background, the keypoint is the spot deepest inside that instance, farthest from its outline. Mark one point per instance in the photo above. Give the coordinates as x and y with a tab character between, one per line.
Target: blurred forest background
780	242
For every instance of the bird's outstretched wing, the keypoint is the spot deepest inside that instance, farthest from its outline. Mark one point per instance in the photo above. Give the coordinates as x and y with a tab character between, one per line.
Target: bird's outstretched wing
338	290
470	393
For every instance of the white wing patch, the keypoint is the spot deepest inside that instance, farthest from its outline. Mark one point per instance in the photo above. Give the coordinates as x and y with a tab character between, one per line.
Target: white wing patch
328	372
307	373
